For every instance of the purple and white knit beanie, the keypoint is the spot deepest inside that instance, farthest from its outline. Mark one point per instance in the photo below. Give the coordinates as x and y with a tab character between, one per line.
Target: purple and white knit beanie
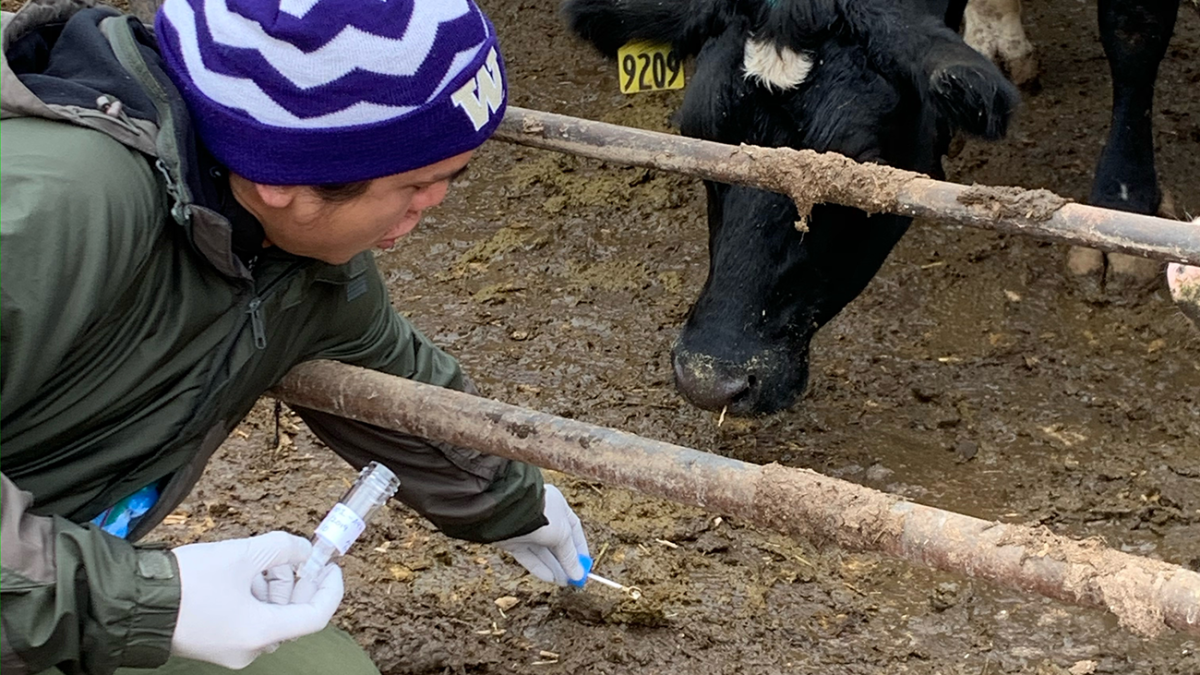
306	92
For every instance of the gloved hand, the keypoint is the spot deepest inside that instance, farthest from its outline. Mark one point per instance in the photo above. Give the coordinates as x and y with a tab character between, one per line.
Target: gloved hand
551	552
1184	284
226	613
274	585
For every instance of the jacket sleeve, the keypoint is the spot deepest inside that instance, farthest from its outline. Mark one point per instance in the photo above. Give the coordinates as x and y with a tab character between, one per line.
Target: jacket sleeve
467	494
78	598
70	596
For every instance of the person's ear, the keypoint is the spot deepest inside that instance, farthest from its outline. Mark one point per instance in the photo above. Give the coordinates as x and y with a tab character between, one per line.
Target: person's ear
277	196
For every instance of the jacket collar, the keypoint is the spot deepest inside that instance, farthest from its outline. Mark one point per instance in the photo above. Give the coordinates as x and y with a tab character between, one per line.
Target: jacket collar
27	49
177	148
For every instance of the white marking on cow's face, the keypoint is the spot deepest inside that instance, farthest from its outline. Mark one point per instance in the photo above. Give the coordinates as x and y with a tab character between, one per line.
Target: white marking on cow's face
775	66
1124	192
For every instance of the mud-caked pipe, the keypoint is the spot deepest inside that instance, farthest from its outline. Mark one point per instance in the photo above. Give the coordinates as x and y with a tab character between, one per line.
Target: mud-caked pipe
811	178
1147	596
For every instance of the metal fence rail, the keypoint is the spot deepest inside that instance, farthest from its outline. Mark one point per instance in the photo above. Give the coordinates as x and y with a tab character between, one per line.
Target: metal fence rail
1147	596
815	178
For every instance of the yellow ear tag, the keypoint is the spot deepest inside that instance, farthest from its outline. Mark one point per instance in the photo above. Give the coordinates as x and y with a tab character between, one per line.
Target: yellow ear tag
642	66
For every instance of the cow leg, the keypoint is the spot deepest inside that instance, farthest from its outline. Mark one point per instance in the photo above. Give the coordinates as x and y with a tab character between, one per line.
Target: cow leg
1135	34
993	28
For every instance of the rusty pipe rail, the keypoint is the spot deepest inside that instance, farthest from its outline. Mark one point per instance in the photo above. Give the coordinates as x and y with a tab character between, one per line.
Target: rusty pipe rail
1147	596
810	178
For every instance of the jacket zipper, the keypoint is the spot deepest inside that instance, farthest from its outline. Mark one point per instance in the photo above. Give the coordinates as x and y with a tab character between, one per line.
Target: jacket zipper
256	323
258	327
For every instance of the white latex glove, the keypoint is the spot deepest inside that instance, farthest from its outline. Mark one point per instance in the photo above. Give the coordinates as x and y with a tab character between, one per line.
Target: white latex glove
226	613
551	552
1184	283
274	585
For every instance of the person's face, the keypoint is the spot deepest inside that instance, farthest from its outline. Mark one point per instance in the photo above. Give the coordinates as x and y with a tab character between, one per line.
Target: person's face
300	221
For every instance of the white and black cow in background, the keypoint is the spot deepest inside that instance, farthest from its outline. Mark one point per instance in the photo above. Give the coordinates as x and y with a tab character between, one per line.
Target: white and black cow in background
876	80
1135	35
994	29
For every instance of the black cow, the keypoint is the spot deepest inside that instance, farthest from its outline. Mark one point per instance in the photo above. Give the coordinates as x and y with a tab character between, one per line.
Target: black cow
876	80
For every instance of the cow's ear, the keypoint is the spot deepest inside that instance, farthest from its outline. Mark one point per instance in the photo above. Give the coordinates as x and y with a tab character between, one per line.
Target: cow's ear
610	24
969	91
905	43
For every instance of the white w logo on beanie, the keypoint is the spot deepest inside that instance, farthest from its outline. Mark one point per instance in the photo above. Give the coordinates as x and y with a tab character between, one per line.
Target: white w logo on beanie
483	94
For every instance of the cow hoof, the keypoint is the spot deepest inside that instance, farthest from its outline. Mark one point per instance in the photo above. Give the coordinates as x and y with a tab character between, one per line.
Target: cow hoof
997	33
1167	208
1184	284
1115	276
1022	69
1020	66
1130	275
1111	276
1085	268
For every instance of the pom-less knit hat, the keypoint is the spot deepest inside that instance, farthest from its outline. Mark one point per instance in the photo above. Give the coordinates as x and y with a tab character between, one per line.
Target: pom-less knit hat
306	92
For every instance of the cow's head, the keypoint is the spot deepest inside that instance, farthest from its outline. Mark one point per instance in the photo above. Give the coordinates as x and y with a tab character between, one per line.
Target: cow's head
876	80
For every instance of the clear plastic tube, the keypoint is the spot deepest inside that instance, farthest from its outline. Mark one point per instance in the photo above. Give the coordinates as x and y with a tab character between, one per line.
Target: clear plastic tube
348	518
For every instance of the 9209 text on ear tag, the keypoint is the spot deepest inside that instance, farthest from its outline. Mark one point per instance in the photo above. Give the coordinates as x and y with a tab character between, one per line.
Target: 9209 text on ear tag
644	66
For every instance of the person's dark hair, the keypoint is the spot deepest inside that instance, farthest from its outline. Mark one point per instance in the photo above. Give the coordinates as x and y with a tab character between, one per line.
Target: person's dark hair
341	192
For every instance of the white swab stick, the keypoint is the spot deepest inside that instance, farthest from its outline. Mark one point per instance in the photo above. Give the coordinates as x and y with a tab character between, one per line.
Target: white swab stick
607	582
631	591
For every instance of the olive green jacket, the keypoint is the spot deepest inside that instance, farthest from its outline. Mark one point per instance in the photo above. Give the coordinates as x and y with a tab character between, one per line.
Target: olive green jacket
134	341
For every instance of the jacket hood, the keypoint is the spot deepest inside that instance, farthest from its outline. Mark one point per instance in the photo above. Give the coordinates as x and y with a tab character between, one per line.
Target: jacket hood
74	62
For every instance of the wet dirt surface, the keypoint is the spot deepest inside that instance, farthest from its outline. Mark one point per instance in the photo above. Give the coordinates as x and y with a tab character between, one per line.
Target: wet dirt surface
970	376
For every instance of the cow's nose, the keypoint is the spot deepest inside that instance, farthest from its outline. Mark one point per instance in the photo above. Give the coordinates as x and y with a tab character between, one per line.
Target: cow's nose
706	384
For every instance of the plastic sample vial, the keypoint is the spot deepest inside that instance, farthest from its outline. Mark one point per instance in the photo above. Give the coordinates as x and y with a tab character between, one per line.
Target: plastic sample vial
348	518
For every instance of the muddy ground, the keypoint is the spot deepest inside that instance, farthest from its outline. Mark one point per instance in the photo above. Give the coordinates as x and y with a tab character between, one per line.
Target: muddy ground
971	375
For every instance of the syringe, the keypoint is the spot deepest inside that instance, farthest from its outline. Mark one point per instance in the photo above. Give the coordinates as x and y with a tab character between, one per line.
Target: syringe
345	521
